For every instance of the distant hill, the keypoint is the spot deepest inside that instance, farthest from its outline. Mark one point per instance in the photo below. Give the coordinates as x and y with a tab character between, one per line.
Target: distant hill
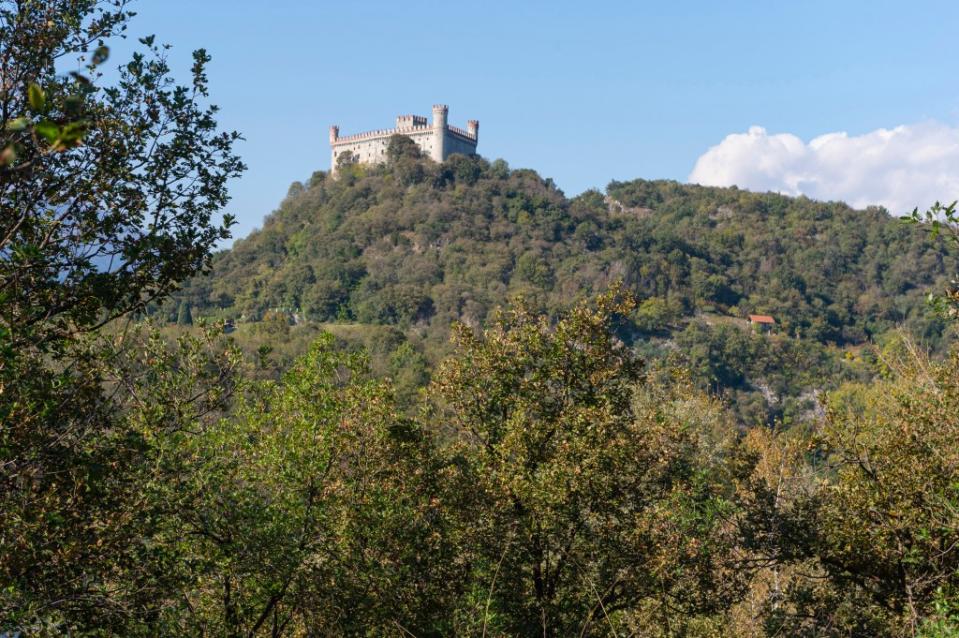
416	245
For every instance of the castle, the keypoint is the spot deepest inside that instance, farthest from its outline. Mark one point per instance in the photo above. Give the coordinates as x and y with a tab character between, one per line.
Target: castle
438	140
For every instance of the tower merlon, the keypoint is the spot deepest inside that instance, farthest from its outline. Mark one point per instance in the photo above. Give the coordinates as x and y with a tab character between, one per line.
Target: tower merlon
410	121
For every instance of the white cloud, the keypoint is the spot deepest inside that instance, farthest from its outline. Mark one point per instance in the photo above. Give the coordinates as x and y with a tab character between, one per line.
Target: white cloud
900	168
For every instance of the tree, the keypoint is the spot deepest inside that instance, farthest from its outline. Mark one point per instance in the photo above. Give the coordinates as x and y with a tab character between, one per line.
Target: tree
402	147
942	220
108	199
310	510
654	315
856	524
579	484
461	244
345	159
100	227
406	160
889	520
184	316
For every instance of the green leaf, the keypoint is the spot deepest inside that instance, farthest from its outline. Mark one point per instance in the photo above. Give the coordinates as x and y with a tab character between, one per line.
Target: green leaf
73	132
47	130
101	55
72	105
18	124
36	97
75	128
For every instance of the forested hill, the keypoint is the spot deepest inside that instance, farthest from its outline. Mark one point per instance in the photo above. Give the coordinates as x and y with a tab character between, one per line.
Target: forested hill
417	246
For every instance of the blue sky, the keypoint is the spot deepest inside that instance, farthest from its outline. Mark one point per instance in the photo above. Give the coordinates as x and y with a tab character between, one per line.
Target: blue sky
583	92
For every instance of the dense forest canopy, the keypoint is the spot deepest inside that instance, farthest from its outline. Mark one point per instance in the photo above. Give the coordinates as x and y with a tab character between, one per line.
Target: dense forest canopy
452	241
446	399
415	246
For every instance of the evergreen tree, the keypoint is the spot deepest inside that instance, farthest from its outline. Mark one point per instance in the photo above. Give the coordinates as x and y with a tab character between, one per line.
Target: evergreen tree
184	315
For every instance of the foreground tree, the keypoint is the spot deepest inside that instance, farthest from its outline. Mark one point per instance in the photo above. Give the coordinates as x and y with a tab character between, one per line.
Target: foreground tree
889	520
108	196
309	509
942	220
856	524
590	500
102	223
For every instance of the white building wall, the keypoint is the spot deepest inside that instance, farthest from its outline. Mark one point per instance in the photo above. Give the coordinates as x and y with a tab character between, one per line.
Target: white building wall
456	144
373	150
435	141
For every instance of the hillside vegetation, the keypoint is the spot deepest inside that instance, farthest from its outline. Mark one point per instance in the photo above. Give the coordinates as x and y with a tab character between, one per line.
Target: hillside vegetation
327	463
417	246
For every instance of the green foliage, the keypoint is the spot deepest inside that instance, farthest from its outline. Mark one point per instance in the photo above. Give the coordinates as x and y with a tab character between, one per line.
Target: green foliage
312	498
110	199
410	372
943	622
402	147
418	245
889	524
546	482
551	483
345	159
942	220
77	474
860	517
578	485
184	316
786	373
405	160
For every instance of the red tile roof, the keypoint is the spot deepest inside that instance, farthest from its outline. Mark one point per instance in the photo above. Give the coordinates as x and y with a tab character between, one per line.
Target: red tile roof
761	319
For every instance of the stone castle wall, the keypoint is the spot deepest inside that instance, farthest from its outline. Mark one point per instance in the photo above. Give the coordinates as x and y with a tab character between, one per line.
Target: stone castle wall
458	144
437	140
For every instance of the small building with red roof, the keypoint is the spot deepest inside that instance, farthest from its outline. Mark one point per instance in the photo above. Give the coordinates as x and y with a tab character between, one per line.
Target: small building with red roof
762	322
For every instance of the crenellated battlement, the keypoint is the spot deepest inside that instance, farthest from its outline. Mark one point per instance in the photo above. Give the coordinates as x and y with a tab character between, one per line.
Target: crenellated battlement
438	139
460	132
370	135
410	121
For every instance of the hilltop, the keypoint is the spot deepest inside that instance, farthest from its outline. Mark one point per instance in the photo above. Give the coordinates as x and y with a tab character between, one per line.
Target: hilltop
407	248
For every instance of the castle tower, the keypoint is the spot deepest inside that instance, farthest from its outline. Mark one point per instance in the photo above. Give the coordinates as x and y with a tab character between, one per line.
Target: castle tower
334	135
472	127
440	111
